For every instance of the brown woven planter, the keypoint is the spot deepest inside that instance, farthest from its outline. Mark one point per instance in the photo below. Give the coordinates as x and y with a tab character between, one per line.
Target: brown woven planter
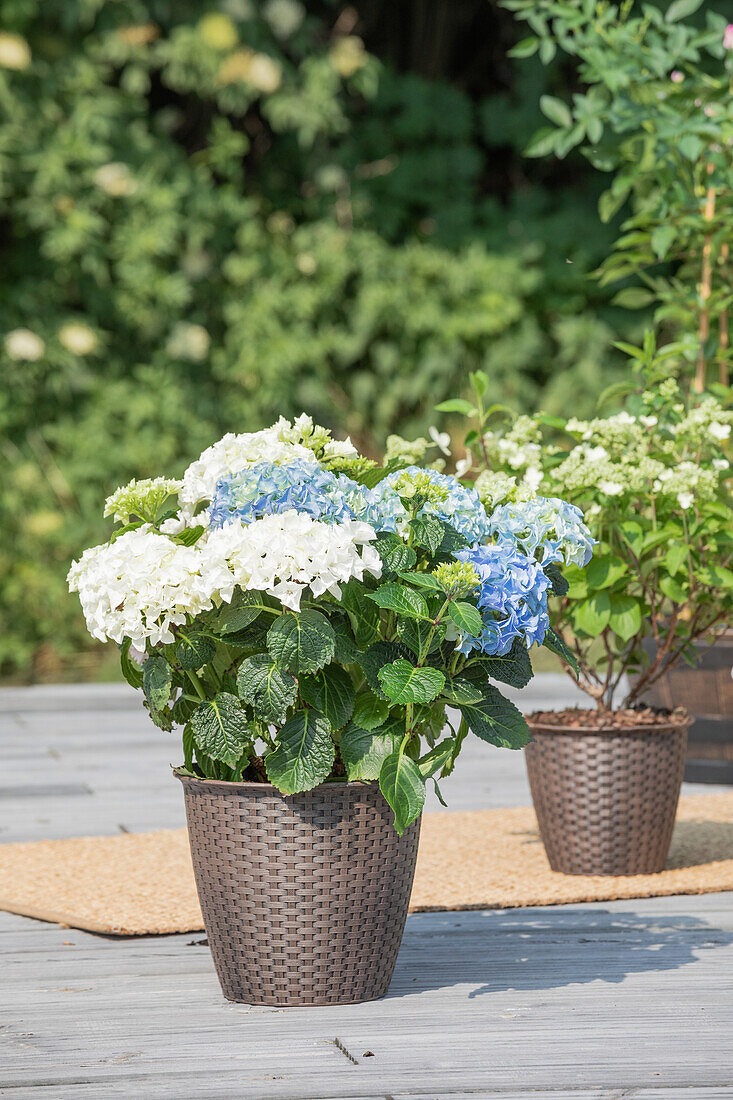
304	897
606	799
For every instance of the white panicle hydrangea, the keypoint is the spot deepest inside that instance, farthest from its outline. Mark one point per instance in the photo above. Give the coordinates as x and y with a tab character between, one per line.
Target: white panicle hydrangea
234	453
286	553
141	584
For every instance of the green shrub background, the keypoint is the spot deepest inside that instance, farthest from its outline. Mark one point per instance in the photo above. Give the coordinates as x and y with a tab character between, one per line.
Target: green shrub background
214	214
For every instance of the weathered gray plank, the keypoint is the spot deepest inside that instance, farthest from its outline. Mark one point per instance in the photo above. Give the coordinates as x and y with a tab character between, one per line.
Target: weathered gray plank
594	1002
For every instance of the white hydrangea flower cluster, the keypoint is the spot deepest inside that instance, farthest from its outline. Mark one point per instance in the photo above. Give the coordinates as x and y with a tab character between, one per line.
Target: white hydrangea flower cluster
143	583
287	553
283	442
688	482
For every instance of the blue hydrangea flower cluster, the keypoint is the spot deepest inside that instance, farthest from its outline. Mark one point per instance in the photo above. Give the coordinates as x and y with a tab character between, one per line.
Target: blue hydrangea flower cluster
547	527
512	597
268	488
460	507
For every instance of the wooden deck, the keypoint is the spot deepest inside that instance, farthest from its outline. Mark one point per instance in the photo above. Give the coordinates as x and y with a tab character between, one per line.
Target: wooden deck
591	1002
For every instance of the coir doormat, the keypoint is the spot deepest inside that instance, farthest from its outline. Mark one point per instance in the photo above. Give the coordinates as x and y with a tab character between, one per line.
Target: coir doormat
142	884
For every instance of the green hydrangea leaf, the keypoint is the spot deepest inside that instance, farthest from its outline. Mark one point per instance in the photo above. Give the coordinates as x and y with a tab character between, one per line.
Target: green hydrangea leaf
402	682
495	719
415	632
267	687
370	711
194	651
131	670
427	532
401	599
466	617
395	553
304	753
364	751
220	728
554	642
302	642
157	681
376	657
403	787
363	614
332	693
514	668
558	583
437	758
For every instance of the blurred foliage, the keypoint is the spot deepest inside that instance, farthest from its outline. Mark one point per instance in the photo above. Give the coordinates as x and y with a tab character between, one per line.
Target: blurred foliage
216	213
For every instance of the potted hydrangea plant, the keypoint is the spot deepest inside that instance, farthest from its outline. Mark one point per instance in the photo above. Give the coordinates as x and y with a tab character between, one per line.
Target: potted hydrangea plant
652	482
307	618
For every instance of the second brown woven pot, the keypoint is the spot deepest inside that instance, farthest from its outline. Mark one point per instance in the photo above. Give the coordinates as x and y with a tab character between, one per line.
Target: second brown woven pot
304	897
606	799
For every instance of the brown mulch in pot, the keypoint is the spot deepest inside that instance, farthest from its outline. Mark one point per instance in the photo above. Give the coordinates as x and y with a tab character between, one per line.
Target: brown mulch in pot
633	717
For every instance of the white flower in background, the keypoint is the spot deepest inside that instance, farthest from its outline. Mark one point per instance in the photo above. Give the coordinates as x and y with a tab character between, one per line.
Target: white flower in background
340	448
21	343
175	525
286	553
231	454
14	52
140	586
648	421
611	488
532	479
78	338
188	341
685	500
441	440
409	452
115	178
463	465
284	16
719	431
720	464
595	454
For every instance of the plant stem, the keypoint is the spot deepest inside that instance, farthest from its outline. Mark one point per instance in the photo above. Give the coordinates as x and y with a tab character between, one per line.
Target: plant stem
197	685
706	281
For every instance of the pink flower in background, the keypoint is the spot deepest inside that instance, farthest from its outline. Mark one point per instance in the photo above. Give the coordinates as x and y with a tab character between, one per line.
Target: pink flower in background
728	37
677	77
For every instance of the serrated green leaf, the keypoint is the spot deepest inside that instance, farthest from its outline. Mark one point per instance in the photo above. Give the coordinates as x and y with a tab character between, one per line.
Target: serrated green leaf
461	689
394	553
190	536
400	599
268	689
514	668
554	642
376	657
131	670
466	617
402	682
220	728
423	580
673	590
332	693
303	755
370	711
437	758
302	642
240	613
403	787
415	633
194	651
558	583
346	651
496	720
363	614
364	751
427	532
188	746
157	681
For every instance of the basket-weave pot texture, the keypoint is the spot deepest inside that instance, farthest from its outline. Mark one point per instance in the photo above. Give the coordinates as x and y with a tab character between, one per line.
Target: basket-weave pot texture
606	799
304	897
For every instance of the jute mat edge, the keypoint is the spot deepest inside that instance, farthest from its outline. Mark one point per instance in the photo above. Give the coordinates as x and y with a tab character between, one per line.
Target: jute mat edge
142	883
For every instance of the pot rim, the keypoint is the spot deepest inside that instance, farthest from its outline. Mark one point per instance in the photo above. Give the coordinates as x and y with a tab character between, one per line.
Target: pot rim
683	722
252	785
